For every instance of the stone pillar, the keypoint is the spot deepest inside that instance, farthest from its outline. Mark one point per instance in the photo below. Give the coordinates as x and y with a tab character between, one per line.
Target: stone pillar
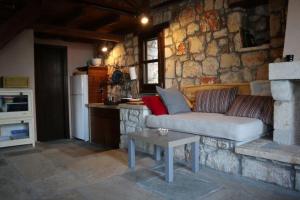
286	111
132	119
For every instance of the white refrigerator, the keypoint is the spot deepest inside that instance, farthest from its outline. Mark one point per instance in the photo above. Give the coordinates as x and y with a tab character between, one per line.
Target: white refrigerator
79	101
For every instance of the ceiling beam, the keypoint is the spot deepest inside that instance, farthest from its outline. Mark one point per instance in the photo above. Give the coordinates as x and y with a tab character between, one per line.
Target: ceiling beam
100	23
132	4
22	19
164	4
98	5
246	4
71	17
76	33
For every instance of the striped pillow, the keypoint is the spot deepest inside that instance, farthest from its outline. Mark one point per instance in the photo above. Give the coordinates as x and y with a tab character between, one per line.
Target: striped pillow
268	111
260	107
215	101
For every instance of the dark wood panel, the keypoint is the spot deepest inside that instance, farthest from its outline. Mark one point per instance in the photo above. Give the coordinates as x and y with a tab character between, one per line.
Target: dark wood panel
51	92
76	33
97	77
105	126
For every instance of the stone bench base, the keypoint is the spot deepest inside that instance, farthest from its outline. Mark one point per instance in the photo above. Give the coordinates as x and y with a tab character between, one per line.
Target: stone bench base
217	153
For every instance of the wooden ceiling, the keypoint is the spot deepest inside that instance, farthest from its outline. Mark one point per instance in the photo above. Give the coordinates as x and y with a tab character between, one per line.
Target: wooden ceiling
73	20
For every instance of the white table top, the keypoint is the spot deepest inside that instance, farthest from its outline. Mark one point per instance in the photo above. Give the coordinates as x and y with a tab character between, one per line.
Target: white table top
173	138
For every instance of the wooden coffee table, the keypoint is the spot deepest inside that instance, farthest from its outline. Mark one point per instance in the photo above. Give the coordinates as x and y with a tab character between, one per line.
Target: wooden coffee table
166	143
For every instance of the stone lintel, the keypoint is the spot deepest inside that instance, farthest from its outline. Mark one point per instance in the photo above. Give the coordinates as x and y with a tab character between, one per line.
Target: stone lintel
284	71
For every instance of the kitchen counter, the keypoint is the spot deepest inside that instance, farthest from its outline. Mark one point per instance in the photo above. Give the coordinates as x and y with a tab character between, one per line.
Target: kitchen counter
120	106
101	105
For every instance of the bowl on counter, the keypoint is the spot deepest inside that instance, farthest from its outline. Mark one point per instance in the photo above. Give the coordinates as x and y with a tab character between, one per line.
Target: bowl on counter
96	62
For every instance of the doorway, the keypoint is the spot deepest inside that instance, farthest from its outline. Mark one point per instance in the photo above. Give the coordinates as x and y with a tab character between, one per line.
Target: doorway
51	92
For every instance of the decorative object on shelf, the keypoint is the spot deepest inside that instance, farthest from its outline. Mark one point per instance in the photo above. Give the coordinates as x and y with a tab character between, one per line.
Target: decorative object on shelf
14	82
119	83
163	131
289	58
116	77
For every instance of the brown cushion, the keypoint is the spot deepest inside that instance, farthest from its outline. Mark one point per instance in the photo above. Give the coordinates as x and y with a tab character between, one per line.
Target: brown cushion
215	101
260	107
268	111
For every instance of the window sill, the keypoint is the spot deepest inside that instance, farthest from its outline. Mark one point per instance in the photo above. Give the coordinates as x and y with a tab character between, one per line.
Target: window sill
261	47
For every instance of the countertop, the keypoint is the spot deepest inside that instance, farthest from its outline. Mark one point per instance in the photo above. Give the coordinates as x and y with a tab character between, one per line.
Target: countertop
120	106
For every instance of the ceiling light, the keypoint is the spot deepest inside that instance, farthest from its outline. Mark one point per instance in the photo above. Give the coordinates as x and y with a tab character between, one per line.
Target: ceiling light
104	49
144	19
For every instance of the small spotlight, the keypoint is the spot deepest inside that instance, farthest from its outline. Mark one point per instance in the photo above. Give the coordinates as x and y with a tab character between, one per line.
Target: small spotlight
144	19
104	49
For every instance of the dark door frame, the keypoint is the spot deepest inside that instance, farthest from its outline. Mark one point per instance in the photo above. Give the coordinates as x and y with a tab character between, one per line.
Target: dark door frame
64	61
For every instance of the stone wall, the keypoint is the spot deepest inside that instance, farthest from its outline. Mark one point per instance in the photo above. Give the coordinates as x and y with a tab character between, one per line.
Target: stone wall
132	119
203	44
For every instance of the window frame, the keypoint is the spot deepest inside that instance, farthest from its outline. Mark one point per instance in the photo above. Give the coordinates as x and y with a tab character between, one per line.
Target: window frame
143	38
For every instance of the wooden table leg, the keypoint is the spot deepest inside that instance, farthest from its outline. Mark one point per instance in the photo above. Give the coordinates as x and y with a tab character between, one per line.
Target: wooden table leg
157	152
131	154
195	157
169	164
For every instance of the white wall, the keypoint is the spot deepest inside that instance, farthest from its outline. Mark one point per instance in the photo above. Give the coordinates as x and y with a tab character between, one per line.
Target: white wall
17	57
292	40
78	55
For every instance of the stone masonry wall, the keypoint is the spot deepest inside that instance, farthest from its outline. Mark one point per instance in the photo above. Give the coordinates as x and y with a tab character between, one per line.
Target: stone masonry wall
203	44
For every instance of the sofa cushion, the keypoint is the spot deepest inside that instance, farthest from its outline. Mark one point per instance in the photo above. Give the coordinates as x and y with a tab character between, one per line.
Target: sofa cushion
239	129
260	107
155	104
215	101
267	112
173	100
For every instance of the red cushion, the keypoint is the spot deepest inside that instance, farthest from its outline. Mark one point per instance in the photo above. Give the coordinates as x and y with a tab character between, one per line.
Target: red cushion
155	104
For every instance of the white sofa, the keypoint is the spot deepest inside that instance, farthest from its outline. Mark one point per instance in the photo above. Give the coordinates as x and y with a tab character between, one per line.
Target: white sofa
238	129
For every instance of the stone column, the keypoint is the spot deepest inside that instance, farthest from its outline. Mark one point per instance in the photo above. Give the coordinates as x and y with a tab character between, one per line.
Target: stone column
286	111
132	119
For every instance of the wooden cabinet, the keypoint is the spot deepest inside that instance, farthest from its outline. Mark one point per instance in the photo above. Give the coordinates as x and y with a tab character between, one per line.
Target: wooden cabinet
105	126
97	80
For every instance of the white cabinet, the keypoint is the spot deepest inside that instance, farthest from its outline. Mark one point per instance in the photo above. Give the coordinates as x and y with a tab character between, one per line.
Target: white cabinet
16	117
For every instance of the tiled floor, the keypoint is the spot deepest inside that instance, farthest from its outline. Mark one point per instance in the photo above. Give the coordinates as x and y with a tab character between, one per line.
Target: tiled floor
75	170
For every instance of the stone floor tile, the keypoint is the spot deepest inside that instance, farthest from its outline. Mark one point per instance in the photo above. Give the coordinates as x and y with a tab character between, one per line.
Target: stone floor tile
116	188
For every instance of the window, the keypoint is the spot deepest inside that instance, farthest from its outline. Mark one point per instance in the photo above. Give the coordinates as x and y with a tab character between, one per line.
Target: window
151	57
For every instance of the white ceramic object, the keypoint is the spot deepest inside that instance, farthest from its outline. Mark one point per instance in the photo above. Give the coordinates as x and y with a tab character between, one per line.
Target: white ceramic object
132	73
96	61
163	131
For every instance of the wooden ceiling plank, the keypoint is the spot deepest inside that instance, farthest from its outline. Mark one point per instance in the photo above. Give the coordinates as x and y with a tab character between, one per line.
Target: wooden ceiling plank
105	21
165	4
26	15
132	4
71	17
76	33
98	5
